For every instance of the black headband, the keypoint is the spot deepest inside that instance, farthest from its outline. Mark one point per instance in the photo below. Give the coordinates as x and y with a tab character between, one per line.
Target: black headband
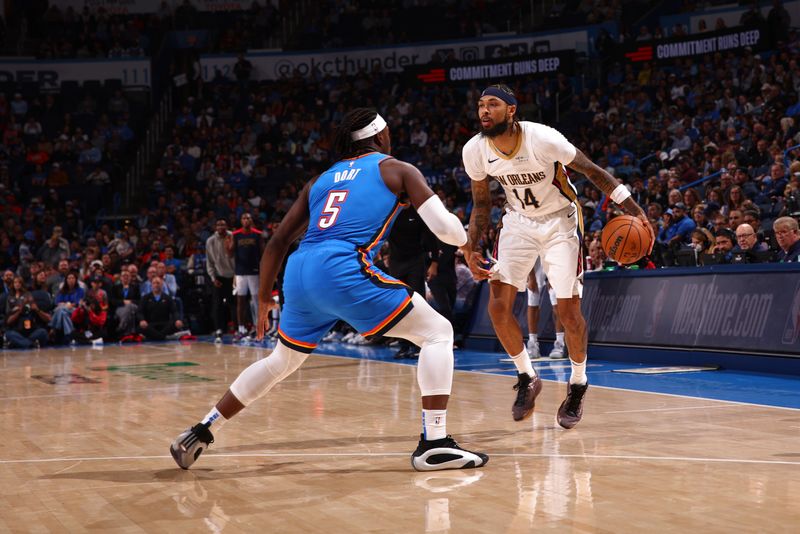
499	93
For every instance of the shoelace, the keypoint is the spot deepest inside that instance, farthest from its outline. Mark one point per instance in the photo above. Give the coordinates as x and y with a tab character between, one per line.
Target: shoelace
522	391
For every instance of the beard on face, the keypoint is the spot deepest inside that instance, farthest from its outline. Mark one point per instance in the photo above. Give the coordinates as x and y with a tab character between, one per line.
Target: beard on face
498	129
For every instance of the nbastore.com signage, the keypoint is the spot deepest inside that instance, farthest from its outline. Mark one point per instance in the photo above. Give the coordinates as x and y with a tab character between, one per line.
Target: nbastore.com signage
754	308
734	39
542	65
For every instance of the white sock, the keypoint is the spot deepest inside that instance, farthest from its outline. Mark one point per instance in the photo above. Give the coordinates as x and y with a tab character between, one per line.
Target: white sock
523	363
214	419
559	338
578	375
532	338
242	329
434	424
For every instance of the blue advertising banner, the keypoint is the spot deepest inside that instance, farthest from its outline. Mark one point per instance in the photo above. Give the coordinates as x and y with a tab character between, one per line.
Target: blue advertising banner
738	308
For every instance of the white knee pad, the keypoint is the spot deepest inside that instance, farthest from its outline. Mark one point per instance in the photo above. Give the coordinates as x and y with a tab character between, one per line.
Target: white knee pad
261	376
427	329
533	298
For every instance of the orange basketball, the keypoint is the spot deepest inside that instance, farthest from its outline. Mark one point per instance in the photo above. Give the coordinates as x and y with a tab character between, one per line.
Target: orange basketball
625	239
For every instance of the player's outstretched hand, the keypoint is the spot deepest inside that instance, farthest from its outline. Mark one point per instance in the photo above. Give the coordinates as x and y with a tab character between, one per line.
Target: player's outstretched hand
642	217
262	325
476	262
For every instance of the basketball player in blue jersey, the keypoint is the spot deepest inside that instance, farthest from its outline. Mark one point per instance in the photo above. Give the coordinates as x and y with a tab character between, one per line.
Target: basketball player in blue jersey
543	220
346	213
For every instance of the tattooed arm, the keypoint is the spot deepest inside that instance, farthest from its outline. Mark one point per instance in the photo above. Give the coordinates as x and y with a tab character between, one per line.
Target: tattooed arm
607	183
478	224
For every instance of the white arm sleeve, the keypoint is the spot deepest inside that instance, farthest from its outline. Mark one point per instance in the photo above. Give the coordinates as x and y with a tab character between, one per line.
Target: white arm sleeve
442	223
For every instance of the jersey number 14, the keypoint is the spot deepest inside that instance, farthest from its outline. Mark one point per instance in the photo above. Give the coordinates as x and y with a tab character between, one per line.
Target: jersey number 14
333	206
528	200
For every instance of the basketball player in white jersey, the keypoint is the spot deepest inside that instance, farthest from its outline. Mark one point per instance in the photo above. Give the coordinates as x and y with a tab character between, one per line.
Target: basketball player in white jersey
542	220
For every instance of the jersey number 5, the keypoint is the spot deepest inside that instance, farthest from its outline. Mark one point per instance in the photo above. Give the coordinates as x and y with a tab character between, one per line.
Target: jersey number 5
333	206
529	200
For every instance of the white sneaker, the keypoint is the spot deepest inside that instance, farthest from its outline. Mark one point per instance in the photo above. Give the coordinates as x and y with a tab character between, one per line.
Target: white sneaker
558	352
347	338
97	342
332	337
358	339
217	340
533	349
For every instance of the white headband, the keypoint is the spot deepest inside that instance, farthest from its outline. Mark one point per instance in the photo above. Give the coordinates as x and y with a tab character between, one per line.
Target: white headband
373	128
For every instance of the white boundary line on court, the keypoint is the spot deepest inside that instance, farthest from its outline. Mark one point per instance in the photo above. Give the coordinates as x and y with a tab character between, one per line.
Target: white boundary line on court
740	403
403	454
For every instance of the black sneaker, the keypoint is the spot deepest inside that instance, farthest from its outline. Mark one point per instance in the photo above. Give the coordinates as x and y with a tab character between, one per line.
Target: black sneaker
571	410
440	454
190	444
527	390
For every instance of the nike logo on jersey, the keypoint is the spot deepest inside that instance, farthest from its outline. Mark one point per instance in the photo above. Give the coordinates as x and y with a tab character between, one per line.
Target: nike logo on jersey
493	160
571	214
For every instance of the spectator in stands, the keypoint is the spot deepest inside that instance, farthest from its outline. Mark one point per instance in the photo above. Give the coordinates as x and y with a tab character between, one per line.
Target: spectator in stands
220	268
724	244
8	281
124	304
54	249
678	227
68	299
147	284
158	315
170	283
91	317
703	241
597	256
748	248
788	237
25	322
735	218
57	277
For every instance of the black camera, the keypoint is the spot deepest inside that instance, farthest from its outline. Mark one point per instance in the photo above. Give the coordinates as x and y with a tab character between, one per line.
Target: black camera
26	308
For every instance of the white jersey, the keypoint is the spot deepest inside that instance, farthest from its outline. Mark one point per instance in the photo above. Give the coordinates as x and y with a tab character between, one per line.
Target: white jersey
533	175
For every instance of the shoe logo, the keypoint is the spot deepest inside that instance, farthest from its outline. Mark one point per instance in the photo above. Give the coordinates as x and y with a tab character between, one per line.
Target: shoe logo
493	160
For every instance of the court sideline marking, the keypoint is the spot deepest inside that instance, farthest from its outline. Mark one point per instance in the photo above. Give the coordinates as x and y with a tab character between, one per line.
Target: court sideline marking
395	454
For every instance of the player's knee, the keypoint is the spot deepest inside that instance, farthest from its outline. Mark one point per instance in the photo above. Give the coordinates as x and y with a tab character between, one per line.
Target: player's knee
440	330
498	309
571	317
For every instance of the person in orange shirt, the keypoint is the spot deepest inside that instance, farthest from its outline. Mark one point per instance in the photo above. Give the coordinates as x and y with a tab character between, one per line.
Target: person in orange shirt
58	177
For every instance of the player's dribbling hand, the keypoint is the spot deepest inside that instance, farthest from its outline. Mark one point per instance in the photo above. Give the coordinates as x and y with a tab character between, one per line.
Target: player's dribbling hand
262	325
642	217
476	262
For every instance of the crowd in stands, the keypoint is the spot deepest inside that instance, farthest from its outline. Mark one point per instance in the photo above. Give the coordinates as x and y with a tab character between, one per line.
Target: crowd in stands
241	146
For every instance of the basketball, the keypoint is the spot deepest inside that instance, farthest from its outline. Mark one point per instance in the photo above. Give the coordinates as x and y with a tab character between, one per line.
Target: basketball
625	239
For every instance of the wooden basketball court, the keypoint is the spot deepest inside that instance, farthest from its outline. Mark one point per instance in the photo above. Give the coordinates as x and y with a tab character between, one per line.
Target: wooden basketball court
87	434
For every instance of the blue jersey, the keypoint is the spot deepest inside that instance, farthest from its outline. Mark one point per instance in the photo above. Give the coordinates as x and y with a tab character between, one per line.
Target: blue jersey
350	203
331	276
246	251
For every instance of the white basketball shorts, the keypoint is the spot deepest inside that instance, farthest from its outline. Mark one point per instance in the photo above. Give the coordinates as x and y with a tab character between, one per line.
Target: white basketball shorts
244	285
555	239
